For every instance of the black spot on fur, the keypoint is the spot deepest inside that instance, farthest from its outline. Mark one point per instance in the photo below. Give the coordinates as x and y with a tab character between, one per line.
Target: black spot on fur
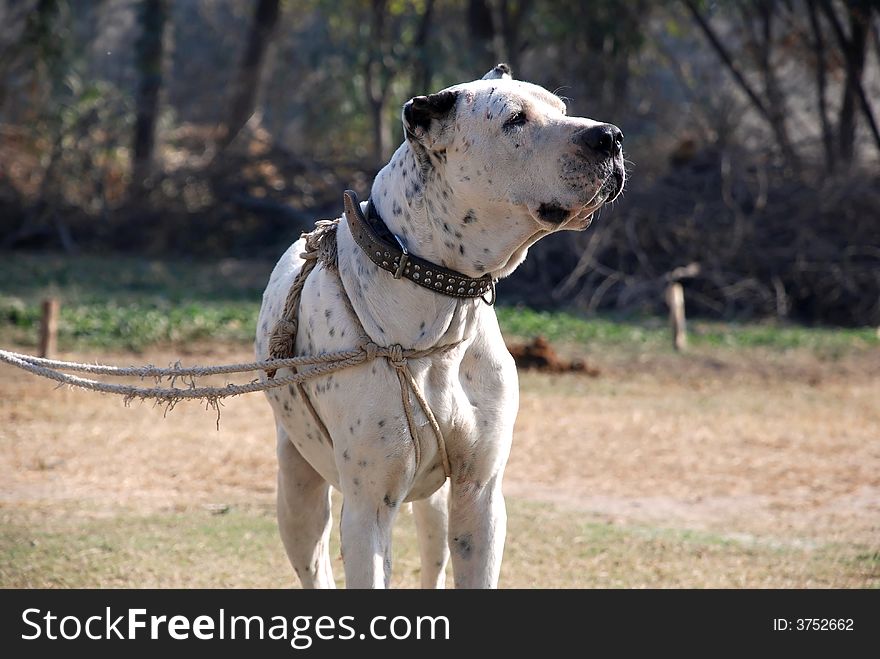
461	249
463	545
381	423
469	217
388	501
345	455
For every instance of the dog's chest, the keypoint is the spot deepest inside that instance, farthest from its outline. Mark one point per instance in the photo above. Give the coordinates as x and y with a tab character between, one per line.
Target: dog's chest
361	409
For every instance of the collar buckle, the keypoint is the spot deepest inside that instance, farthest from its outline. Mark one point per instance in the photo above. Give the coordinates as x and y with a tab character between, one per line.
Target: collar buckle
404	256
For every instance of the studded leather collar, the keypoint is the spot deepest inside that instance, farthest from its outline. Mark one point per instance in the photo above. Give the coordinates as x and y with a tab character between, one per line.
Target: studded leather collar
389	252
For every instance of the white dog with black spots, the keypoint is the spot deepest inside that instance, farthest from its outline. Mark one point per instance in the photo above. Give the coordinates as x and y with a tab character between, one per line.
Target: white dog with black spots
488	168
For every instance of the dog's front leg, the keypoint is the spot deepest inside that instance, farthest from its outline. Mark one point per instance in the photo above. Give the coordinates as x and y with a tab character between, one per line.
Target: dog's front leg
432	525
477	526
366	541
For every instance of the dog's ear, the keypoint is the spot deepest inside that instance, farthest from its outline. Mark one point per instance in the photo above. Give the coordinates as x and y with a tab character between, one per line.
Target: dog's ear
500	72
425	117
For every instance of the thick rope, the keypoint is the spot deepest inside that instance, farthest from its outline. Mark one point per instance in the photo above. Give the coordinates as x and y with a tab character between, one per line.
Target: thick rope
320	246
324	364
281	343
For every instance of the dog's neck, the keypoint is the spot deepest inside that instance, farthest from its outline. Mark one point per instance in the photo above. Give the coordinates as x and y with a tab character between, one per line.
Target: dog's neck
415	196
473	237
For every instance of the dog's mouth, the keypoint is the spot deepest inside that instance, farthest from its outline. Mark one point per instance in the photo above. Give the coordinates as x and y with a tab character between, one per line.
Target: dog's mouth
579	217
570	218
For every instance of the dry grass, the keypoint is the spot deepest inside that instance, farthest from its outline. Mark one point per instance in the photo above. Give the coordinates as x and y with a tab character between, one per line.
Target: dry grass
732	469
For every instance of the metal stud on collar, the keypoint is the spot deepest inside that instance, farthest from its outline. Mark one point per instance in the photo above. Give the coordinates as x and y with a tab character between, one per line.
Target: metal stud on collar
400	263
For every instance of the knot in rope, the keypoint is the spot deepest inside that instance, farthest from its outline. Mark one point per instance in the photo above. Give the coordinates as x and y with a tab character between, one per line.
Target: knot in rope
283	339
371	350
396	356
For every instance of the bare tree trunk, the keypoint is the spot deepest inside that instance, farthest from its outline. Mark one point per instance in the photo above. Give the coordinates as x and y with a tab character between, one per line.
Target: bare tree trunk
422	71
500	47
377	78
149	49
507	19
875	32
854	49
822	85
775	98
479	17
244	97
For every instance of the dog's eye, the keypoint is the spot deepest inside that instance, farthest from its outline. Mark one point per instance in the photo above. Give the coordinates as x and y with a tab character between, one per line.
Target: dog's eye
516	119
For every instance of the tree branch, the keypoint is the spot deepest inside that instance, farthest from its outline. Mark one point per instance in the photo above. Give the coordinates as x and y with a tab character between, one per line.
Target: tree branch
715	42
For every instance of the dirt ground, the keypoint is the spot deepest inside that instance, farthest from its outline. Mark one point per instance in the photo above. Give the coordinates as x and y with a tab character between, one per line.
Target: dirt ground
784	448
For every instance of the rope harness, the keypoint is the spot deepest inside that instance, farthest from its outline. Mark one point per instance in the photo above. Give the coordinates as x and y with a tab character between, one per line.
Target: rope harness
320	246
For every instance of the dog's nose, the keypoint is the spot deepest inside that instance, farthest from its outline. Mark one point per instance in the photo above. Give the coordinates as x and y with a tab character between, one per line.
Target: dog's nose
605	139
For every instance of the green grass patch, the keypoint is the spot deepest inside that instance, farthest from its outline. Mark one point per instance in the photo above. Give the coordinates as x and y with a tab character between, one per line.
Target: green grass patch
132	303
653	333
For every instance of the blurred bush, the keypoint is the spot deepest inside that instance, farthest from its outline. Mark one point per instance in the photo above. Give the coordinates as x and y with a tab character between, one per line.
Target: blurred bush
751	135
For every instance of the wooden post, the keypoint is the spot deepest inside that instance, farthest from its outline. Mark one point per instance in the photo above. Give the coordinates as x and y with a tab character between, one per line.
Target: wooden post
49	328
675	300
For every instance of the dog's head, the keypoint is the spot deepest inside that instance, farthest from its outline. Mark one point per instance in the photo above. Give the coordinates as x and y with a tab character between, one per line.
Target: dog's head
503	140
